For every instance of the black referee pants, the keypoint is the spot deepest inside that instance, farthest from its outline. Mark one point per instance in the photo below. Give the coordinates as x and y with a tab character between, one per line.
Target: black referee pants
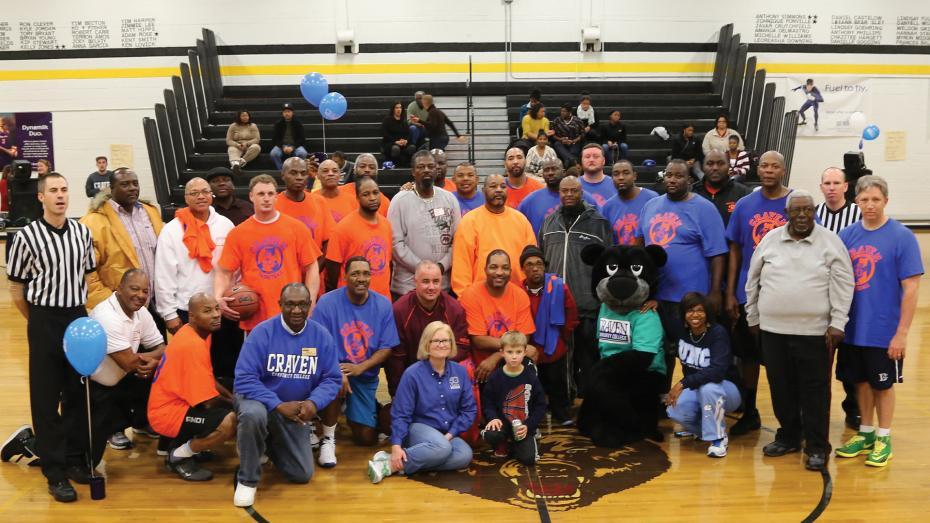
798	370
61	439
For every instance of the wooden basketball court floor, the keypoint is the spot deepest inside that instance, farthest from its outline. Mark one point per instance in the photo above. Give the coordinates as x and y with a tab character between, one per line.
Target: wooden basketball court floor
671	481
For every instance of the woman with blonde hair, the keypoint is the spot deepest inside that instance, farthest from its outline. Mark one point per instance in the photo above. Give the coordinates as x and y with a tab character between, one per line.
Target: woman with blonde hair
433	406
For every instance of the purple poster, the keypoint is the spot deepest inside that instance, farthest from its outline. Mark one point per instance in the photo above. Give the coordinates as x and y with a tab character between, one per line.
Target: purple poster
26	136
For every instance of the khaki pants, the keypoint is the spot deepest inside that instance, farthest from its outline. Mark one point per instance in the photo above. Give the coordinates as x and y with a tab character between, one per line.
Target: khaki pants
251	153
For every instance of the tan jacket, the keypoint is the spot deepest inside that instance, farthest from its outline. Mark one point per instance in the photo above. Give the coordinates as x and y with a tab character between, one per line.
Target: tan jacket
113	248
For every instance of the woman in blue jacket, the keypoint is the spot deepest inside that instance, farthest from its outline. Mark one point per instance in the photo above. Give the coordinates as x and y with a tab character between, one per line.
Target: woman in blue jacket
707	392
433	406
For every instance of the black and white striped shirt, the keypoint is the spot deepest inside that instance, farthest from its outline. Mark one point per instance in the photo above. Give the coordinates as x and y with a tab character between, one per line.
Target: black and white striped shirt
840	219
52	263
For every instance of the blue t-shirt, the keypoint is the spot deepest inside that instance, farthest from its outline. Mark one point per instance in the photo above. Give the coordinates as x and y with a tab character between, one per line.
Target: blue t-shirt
541	203
467	204
359	330
691	232
624	215
600	191
880	260
753	217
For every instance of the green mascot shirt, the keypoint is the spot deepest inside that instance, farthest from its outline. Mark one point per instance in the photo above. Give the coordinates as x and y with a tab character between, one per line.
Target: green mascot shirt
634	330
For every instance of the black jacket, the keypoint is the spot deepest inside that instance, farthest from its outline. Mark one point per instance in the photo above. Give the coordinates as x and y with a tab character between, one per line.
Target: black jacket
609	131
393	130
297	130
683	149
725	199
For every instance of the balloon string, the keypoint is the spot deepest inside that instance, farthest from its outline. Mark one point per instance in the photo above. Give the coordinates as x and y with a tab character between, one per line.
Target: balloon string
90	433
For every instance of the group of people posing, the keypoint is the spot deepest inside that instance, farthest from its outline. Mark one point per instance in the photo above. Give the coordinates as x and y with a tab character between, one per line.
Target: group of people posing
476	304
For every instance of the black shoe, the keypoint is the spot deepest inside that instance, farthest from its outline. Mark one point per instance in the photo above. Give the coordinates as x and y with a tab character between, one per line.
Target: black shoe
853	421
19	445
562	416
62	491
749	422
816	461
78	474
777	448
205	456
189	470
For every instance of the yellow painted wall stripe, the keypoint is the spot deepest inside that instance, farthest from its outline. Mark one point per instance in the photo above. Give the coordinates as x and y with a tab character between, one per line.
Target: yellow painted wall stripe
462	68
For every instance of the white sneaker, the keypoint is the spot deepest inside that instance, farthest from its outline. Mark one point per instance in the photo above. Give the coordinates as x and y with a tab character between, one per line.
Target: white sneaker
718	448
378	470
381	455
262	460
327	458
314	439
244	496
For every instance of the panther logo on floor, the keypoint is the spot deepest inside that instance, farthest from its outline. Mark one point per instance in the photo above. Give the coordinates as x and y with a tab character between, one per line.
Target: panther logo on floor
571	473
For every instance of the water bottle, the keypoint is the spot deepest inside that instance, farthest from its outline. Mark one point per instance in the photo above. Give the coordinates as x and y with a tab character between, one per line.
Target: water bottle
516	424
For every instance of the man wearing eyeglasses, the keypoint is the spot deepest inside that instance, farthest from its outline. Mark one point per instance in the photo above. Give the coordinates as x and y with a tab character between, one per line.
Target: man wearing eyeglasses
188	249
798	292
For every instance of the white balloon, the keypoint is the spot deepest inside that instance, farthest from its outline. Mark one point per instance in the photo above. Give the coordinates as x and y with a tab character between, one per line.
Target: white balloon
857	121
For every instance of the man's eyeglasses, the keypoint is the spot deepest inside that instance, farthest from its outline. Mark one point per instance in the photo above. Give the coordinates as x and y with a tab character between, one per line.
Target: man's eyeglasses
205	192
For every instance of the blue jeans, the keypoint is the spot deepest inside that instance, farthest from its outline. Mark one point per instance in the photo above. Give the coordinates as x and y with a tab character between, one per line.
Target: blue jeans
416	133
567	153
287	443
278	155
428	450
622	147
702	411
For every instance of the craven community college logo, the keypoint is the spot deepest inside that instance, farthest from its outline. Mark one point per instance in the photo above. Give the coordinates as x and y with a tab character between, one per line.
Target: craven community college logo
376	253
761	224
864	260
355	338
625	227
269	256
571	473
663	228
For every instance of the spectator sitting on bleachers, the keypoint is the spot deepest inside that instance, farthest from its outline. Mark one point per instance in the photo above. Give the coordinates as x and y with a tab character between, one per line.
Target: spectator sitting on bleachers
242	141
739	160
345	166
568	131
685	147
718	138
612	135
396	144
539	154
535	98
416	118
585	113
288	138
533	123
436	125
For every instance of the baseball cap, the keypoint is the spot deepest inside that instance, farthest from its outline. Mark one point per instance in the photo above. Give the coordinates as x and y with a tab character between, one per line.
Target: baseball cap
218	171
287	106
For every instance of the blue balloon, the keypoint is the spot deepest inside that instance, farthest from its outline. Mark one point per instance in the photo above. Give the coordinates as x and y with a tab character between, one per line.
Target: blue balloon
85	345
333	106
649	162
871	132
314	87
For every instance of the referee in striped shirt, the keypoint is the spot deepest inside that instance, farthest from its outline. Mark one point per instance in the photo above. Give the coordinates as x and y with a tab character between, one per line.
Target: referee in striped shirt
47	263
835	213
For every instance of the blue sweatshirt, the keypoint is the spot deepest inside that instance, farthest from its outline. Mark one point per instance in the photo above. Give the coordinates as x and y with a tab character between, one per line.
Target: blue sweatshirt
508	397
706	360
445	403
277	365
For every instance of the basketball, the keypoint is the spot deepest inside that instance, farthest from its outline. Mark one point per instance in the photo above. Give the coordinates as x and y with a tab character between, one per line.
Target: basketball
245	300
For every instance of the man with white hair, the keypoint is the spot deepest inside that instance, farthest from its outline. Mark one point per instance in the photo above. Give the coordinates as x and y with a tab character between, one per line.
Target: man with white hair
798	293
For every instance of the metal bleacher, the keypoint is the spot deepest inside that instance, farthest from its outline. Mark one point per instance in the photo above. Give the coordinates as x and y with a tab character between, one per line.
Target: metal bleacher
186	137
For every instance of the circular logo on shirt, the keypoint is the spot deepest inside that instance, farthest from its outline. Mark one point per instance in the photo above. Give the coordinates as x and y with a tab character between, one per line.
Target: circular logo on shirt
663	228
625	227
355	338
762	223
864	260
376	253
269	256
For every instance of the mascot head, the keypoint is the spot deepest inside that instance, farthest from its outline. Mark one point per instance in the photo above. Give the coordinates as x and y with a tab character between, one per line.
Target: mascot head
622	277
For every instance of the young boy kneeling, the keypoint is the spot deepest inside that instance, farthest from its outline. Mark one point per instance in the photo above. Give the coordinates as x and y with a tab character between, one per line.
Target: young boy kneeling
513	402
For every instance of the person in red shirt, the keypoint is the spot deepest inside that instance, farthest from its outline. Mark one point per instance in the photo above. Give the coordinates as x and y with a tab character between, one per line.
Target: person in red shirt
186	402
270	250
362	233
519	185
552	333
493	307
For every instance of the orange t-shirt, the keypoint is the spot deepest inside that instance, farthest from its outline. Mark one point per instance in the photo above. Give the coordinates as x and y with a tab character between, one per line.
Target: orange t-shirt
490	316
338	207
449	185
183	379
310	213
515	196
354	236
349	188
269	255
480	232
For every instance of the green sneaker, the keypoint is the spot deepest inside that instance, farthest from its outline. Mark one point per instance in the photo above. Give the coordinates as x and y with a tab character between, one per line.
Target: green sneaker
861	443
378	470
881	454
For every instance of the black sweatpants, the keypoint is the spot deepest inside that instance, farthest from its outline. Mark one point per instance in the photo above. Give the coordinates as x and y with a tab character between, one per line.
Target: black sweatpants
524	450
798	369
61	439
585	352
554	378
